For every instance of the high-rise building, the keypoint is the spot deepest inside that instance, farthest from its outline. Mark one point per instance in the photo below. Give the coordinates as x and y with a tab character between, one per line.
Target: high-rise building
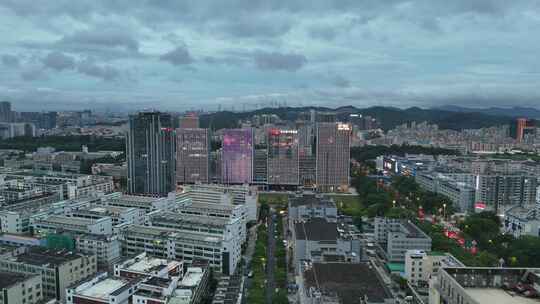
260	169
283	157
151	151
305	137
325	117
237	156
189	121
48	120
6	115
333	156
192	155
522	127
500	192
521	123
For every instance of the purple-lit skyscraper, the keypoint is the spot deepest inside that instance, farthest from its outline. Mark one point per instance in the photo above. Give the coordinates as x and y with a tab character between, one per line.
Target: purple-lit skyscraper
237	156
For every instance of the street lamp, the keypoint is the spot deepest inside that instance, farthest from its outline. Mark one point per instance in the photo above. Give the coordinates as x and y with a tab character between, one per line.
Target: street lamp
394	203
444	211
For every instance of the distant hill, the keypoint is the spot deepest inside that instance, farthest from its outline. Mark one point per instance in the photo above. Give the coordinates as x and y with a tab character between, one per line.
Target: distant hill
388	116
511	112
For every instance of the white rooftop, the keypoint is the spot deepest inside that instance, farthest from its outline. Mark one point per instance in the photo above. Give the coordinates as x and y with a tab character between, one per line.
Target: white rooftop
103	289
497	296
192	277
146	264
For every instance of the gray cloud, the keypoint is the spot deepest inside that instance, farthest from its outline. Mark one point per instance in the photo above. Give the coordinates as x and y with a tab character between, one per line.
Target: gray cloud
256	26
279	61
105	72
58	61
11	61
101	38
178	56
33	73
340	81
322	32
387	47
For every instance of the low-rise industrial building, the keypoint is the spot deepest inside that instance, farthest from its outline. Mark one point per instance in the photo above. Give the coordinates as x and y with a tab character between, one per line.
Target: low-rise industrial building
397	236
59	268
18	288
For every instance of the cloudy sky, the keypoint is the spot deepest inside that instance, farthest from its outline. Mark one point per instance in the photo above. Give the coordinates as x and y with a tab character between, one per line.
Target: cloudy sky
178	55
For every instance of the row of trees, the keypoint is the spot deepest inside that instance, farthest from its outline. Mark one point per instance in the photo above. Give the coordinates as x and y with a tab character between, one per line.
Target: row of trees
64	143
86	164
365	153
402	198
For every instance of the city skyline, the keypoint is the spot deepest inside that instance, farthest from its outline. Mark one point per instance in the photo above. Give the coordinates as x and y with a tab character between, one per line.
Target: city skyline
179	56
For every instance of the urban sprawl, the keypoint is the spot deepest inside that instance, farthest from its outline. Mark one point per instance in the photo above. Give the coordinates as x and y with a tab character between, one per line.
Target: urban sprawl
323	207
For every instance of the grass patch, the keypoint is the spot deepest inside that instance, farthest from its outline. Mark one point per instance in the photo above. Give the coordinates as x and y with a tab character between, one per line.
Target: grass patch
349	204
273	199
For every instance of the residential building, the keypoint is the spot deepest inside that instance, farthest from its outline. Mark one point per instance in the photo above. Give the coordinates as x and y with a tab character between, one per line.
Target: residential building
11	130
59	269
333	157
151	154
192	156
498	193
18	288
237	156
6	114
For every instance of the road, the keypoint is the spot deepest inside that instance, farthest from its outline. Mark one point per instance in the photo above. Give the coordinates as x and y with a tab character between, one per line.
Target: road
248	256
270	258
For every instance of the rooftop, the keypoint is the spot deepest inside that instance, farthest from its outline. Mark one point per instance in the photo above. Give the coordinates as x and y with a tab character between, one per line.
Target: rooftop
103	288
496	285
349	281
192	277
214	206
310	199
66	220
8	279
196	219
155	231
42	256
497	296
316	229
146	264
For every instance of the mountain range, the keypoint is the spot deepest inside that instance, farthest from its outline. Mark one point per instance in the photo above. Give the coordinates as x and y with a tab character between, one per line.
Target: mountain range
454	118
511	112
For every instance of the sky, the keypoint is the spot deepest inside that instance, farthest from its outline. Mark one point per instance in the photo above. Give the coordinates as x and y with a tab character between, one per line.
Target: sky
245	54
